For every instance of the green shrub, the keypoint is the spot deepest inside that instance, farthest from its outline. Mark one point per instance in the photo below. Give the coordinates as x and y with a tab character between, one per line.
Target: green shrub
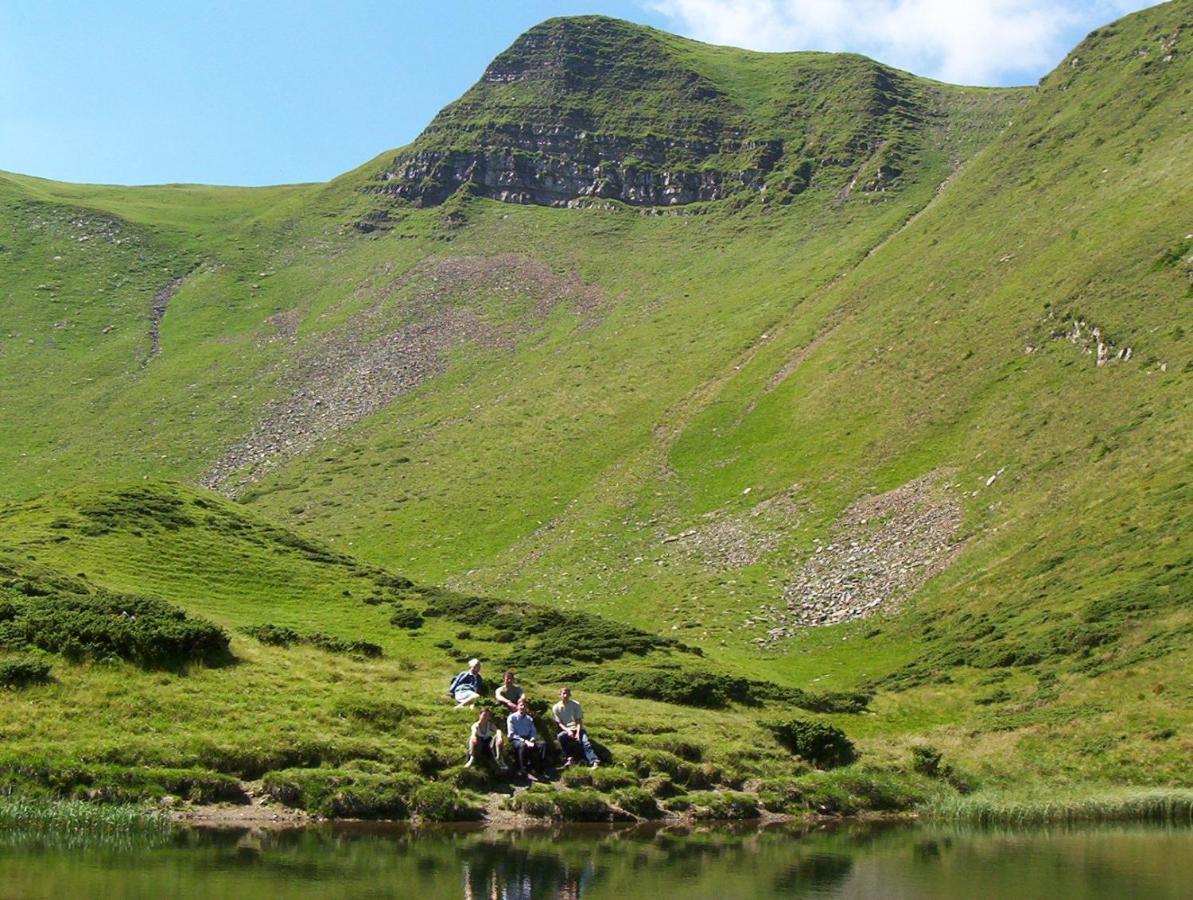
722	805
926	761
340	645
142	630
685	687
342	793
441	802
542	630
828	702
283	636
637	802
19	673
274	635
821	744
405	617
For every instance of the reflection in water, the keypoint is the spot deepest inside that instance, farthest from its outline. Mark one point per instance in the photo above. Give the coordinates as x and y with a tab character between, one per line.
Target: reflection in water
592	863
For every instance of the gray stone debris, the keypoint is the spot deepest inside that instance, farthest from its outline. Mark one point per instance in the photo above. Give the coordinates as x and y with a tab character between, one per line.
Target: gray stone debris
882	549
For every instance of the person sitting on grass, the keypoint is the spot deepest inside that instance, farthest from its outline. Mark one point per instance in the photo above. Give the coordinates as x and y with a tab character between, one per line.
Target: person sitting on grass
573	737
485	742
509	693
530	751
468	685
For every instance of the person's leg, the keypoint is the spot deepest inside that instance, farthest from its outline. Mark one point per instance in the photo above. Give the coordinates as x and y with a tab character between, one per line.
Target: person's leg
466	696
471	749
589	754
498	750
520	754
567	744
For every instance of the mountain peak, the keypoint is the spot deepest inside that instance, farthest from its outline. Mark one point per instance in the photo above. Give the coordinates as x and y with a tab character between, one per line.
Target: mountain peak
591	108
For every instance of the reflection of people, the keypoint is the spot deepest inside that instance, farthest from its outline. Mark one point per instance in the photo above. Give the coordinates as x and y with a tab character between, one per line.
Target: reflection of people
468	685
485	741
508	694
531	752
573	736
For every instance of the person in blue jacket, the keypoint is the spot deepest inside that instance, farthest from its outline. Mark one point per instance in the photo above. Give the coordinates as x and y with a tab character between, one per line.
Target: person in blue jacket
468	685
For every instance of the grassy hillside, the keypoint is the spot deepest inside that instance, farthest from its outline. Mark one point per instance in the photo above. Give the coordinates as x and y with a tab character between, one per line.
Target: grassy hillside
902	411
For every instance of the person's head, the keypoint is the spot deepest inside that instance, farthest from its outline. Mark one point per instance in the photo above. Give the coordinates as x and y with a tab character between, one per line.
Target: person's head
484	716
523	706
565	694
474	665
508	678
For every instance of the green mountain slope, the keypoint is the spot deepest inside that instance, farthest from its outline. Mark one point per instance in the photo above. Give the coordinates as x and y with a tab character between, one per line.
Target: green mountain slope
853	380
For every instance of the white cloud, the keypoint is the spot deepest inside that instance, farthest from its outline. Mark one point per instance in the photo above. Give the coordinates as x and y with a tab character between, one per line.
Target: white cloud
966	41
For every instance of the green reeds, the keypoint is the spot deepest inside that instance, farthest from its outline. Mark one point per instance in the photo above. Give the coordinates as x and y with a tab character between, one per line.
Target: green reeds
1135	804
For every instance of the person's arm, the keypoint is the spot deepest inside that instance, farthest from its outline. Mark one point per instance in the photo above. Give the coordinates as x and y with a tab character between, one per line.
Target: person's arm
501	698
451	688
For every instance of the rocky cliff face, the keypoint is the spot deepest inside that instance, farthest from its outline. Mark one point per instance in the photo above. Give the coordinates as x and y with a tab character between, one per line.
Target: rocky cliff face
557	166
595	108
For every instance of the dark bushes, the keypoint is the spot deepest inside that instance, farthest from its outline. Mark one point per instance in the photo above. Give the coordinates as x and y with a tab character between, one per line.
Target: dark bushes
143	630
686	687
407	618
282	636
542	631
821	744
19	673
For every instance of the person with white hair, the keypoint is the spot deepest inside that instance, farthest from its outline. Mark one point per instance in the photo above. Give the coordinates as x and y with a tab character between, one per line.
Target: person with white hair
468	685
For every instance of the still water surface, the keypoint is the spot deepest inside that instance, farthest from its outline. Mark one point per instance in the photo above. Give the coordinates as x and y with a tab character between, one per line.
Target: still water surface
626	864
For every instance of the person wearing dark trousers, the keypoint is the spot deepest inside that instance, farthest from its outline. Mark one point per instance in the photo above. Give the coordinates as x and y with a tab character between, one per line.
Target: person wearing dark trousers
531	752
573	736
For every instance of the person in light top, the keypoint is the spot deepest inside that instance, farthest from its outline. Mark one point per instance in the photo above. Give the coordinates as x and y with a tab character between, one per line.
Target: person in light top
485	741
573	736
468	685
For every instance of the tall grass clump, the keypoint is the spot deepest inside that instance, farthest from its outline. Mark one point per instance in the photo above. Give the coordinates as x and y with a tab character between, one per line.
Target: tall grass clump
79	816
1171	805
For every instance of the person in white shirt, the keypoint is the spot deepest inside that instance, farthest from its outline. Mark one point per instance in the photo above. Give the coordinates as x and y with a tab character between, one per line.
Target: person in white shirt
573	736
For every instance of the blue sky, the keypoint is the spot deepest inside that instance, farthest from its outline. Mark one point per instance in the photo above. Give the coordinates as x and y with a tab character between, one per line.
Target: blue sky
264	92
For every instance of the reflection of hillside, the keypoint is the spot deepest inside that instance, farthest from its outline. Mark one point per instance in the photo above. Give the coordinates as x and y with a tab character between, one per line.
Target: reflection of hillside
854	860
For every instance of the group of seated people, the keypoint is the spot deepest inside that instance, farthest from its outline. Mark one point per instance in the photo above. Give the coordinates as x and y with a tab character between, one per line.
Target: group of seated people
486	742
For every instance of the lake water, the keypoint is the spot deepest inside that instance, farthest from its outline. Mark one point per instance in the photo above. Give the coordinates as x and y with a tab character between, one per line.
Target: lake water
602	862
